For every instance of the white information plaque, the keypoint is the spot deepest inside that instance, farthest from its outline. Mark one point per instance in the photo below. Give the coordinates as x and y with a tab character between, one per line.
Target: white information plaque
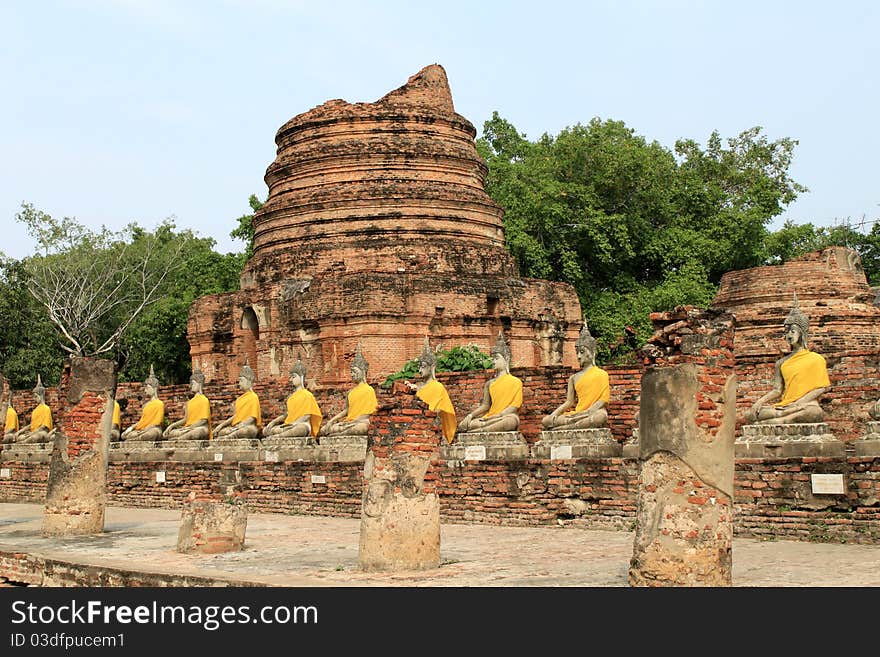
5	473
560	452
475	453
271	456
218	456
160	477
319	479
827	484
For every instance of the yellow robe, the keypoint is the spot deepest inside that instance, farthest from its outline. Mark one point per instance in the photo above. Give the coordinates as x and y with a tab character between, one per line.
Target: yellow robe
504	391
435	396
590	388
42	417
247	405
198	408
11	420
361	401
300	403
803	372
152	415
117	414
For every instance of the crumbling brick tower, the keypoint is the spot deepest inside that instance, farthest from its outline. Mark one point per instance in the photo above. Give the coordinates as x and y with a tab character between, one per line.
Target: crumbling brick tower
378	229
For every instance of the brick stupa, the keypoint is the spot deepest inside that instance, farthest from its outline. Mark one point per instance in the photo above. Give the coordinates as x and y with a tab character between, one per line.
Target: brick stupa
378	229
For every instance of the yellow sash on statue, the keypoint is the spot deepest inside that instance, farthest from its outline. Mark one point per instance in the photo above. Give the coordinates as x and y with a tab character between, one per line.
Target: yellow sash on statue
361	401
117	414
300	403
41	417
247	405
152	415
198	408
803	372
435	396
11	420
590	388
504	391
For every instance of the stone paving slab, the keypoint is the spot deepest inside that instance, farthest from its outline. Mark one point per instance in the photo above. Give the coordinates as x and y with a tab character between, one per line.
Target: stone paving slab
288	550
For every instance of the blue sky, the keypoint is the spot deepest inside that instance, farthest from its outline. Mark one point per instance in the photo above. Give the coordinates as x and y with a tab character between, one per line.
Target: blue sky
136	110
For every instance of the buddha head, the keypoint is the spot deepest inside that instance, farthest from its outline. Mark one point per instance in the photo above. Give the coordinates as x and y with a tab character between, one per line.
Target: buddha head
196	380
298	374
246	377
796	326
359	366
585	347
39	391
501	354
151	383
427	362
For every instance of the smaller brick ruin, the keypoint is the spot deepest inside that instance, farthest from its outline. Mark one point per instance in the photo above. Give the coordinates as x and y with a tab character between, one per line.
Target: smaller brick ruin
684	528
76	487
400	514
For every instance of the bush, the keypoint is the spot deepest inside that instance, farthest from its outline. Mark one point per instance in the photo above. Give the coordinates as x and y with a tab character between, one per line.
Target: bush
458	359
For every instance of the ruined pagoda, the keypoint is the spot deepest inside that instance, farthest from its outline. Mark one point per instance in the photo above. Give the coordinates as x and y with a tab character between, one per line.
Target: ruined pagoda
378	229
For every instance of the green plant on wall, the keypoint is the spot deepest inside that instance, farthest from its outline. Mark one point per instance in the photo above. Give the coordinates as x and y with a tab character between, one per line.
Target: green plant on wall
464	358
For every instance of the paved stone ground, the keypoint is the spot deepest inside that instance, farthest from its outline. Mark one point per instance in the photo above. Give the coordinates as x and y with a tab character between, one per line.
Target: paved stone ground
321	551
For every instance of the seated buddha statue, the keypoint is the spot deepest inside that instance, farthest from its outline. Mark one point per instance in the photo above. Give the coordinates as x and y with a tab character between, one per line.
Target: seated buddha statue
360	403
149	426
498	410
303	417
434	393
42	427
588	392
10	426
799	379
247	417
196	421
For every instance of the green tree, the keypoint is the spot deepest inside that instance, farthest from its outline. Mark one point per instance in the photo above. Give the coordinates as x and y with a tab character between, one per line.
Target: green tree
28	340
631	225
244	231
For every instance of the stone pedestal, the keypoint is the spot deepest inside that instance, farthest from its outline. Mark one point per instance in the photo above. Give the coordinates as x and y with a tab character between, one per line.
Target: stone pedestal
788	440
576	443
869	444
487	445
235	449
214	522
27	452
76	488
684	522
400	514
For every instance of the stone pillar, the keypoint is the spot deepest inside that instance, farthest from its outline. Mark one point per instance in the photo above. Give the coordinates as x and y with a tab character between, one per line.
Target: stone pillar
76	491
400	514
687	423
217	521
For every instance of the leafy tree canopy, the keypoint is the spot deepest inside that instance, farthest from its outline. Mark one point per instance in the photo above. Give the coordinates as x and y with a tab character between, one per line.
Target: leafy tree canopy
633	226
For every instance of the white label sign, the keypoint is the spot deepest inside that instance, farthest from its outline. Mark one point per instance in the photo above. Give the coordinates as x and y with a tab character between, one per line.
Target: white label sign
319	479
271	456
218	456
5	473
560	452
475	453
160	477
827	484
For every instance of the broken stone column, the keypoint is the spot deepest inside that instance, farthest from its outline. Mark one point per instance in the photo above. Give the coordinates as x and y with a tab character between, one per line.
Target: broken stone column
76	491
400	513
687	421
217	521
